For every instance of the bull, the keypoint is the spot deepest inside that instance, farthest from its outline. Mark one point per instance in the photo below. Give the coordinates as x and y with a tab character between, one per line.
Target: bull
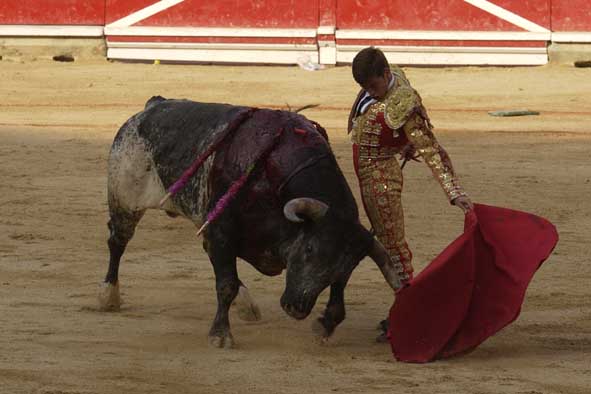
295	213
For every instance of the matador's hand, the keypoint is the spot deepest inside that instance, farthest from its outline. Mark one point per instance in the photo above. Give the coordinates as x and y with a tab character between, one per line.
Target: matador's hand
464	203
409	153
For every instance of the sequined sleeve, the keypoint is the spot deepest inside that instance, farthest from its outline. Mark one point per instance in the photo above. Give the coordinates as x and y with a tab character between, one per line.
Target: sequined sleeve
421	137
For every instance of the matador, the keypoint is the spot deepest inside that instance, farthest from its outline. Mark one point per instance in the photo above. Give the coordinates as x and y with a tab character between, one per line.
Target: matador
388	120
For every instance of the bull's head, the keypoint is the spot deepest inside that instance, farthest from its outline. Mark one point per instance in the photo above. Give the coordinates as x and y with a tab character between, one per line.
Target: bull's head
325	249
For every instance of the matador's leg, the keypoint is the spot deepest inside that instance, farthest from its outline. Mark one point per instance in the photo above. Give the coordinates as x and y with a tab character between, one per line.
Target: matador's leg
381	188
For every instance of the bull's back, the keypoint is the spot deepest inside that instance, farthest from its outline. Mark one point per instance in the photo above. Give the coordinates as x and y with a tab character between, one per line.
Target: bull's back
177	131
154	148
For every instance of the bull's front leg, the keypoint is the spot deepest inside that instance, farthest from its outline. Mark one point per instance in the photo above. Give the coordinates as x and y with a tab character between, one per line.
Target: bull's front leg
334	313
223	258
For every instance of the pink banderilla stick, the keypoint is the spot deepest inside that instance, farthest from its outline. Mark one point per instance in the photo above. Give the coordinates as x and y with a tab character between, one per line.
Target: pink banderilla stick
189	172
226	198
237	185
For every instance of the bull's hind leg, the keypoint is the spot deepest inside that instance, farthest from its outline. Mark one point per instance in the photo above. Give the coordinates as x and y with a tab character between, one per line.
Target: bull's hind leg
122	227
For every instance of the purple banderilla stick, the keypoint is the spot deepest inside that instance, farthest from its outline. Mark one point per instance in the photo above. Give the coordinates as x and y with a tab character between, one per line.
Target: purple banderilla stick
237	185
189	172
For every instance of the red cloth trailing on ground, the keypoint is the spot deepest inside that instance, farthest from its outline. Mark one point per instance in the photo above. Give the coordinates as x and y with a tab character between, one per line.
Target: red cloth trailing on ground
474	288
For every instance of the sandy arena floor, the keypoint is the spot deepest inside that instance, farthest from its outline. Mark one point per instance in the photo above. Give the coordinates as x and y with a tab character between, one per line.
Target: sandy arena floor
56	125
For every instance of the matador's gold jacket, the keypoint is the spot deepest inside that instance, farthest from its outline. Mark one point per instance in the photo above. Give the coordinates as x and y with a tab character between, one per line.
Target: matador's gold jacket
399	119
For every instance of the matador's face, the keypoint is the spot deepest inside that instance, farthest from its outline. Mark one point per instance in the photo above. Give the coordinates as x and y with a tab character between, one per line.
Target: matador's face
377	87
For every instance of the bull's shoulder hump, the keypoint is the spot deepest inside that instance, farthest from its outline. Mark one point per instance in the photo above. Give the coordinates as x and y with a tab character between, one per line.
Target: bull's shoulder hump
153	101
158	106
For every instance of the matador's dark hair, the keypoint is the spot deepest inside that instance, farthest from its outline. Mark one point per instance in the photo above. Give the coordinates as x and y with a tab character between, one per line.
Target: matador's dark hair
369	62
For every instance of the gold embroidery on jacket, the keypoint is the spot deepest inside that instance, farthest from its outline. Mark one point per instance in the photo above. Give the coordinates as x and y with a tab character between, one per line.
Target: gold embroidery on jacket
421	137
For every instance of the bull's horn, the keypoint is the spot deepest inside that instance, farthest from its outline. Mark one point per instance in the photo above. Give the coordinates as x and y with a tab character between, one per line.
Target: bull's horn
390	269
308	207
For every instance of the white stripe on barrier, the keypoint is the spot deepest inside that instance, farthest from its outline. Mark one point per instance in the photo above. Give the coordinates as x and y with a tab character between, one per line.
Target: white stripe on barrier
144	13
454	55
571	36
209	45
507	15
275	56
51	30
327	30
443	35
398	55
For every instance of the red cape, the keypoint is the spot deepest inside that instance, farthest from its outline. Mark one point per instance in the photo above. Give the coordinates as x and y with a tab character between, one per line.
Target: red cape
474	288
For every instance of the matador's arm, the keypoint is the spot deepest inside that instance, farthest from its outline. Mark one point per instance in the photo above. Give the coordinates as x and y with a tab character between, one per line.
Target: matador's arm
421	137
405	110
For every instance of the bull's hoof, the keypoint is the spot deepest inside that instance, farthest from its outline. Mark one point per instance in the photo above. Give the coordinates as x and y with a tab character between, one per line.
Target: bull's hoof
320	330
109	298
382	338
222	341
248	310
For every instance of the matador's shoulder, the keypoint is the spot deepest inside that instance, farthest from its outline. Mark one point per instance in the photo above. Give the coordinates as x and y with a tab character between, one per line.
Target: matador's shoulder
401	103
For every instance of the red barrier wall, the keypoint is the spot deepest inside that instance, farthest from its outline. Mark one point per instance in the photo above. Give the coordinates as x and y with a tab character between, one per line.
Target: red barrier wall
223	13
571	15
435	15
327	12
54	12
446	31
327	31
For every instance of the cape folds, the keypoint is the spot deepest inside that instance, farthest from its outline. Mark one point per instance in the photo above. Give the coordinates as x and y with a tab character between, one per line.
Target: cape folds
474	288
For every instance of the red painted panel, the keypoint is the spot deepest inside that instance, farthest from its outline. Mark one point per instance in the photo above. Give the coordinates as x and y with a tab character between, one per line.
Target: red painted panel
435	15
327	10
117	9
536	11
224	13
55	12
571	15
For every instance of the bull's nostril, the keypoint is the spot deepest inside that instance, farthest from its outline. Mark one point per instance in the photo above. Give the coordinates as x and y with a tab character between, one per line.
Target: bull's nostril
287	307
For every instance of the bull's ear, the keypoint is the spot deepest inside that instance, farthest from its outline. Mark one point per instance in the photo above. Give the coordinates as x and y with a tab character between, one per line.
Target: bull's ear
298	208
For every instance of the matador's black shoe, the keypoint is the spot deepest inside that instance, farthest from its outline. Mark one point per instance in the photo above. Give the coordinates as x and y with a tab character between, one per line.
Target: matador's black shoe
383	328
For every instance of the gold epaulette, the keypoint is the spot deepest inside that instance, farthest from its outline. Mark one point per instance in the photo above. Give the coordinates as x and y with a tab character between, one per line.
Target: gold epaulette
400	105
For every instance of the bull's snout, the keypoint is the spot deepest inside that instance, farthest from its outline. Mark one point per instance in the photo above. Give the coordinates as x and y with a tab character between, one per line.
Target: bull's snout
298	310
